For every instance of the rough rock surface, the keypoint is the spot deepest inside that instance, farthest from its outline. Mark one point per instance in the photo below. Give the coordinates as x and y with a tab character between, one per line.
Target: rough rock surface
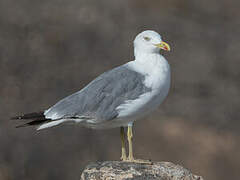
110	170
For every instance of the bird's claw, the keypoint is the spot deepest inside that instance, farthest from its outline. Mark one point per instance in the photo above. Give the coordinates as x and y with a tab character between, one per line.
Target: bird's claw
141	161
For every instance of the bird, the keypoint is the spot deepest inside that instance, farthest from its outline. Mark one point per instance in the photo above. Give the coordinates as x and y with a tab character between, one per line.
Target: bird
116	98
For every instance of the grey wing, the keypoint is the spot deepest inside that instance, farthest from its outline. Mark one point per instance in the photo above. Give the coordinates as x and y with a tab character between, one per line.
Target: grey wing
100	98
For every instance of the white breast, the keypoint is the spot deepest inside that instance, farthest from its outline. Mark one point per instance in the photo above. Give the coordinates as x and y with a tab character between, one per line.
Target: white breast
157	78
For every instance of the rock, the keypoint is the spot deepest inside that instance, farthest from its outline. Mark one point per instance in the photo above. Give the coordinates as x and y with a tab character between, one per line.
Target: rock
111	170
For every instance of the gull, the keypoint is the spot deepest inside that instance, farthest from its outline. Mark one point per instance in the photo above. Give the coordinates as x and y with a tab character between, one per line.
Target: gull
116	98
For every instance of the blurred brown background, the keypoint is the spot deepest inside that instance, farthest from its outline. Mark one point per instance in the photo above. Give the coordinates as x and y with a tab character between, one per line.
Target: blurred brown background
50	49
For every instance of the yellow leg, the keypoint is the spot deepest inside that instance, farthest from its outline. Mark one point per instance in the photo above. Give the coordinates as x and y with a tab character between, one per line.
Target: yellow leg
130	155
130	136
122	135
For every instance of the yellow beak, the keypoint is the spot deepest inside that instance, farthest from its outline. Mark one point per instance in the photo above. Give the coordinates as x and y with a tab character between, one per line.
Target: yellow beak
163	46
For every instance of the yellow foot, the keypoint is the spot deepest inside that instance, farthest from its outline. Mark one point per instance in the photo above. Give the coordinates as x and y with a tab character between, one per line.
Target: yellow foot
123	158
141	161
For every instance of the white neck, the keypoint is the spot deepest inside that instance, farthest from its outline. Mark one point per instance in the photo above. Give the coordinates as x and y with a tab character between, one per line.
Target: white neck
153	66
149	63
150	58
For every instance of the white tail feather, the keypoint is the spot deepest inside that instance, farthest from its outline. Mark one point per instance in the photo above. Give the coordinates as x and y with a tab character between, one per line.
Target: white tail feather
51	124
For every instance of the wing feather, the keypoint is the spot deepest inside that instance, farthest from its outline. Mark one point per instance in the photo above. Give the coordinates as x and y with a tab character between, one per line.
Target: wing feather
100	98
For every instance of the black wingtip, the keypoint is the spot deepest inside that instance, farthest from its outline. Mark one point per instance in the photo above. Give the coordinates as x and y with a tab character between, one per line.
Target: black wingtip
29	116
15	118
22	125
36	118
34	123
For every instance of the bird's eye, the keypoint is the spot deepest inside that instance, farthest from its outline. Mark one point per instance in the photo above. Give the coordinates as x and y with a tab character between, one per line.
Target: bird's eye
147	38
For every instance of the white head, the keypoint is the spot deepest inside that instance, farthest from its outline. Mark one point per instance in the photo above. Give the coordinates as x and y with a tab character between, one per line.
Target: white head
149	42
